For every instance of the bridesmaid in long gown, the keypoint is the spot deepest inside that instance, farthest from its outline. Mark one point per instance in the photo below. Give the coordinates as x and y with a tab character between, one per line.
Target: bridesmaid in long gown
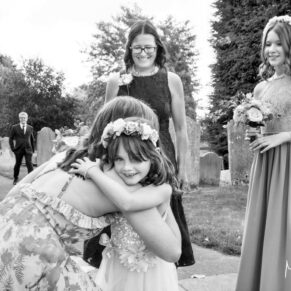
145	58
266	252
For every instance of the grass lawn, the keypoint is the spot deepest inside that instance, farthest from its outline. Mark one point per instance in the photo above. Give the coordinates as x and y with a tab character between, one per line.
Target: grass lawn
215	217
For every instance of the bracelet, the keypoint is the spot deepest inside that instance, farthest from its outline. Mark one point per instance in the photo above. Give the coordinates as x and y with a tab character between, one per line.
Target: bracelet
87	170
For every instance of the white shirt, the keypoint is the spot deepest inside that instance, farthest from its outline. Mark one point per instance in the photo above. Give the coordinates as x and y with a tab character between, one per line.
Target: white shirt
23	127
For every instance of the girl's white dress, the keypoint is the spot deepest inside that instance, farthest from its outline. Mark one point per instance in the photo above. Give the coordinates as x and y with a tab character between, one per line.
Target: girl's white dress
127	264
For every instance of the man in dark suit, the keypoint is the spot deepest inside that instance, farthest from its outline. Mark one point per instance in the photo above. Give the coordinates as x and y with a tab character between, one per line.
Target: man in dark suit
21	142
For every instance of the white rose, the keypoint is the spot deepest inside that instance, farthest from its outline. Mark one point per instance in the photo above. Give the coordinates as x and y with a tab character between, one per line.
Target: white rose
254	115
125	79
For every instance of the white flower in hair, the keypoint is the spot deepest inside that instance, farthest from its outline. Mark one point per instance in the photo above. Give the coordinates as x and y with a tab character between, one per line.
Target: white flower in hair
146	131
154	137
130	127
118	126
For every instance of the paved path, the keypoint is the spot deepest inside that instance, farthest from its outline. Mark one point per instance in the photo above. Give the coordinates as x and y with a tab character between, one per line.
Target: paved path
220	270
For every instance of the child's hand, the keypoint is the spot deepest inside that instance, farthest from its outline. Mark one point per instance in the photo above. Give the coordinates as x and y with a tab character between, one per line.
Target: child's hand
82	167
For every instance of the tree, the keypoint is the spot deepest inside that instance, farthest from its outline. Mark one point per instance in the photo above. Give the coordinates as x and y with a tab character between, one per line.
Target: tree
107	50
46	103
12	87
36	89
236	39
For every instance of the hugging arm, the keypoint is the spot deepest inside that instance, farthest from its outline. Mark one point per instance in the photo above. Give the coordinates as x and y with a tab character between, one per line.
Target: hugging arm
164	239
110	184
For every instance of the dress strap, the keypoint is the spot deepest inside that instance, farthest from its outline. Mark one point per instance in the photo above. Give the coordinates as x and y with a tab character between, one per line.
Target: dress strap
53	168
66	186
165	214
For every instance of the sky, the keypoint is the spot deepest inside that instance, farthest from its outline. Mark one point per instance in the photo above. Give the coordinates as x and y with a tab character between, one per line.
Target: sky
57	31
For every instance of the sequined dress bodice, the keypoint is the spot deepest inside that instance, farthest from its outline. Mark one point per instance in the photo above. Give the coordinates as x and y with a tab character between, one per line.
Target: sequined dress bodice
128	246
277	93
154	91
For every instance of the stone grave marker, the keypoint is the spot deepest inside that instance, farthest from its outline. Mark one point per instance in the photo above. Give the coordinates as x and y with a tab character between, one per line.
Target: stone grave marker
193	153
239	155
210	168
45	144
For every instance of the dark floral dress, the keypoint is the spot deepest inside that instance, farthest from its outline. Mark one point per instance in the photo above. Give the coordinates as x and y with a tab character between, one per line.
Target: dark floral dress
38	234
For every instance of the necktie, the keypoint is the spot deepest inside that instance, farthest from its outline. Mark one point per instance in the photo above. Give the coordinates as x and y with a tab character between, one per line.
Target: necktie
23	128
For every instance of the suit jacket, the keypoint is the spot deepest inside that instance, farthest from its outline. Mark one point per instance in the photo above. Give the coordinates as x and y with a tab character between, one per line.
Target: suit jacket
18	140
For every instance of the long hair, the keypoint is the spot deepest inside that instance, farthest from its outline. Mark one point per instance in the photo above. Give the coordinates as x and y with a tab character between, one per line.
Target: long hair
144	27
119	107
161	169
283	30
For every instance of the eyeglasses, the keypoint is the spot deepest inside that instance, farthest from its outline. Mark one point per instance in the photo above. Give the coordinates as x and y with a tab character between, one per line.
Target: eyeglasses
146	49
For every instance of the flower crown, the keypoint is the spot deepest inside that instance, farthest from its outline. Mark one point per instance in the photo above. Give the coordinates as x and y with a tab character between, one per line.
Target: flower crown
283	19
119	126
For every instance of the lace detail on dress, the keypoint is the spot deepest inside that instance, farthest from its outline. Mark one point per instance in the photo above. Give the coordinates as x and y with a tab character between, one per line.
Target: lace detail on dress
128	246
69	212
277	93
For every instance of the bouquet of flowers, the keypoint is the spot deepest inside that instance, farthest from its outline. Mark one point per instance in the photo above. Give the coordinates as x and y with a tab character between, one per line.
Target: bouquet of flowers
252	112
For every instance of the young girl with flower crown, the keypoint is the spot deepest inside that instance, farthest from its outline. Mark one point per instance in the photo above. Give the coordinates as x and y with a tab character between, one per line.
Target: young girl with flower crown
266	251
132	155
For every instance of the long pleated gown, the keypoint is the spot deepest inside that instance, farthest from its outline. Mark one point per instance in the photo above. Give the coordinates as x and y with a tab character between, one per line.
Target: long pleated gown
266	252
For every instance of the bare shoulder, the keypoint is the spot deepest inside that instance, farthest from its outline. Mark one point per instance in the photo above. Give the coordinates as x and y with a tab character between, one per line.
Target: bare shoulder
175	84
173	78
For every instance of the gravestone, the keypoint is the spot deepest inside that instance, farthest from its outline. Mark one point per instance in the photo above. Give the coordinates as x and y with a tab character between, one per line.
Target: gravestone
239	155
7	158
193	152
225	179
45	144
210	168
5	148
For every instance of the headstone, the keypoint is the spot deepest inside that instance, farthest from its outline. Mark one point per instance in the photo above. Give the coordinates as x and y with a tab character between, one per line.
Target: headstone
225	179
7	158
210	168
5	148
193	153
44	147
239	155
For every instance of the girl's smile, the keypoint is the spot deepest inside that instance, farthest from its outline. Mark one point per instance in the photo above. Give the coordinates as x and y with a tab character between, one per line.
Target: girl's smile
129	170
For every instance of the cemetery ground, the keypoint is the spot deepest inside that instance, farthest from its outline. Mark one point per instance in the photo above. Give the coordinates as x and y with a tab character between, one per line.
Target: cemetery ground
215	217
